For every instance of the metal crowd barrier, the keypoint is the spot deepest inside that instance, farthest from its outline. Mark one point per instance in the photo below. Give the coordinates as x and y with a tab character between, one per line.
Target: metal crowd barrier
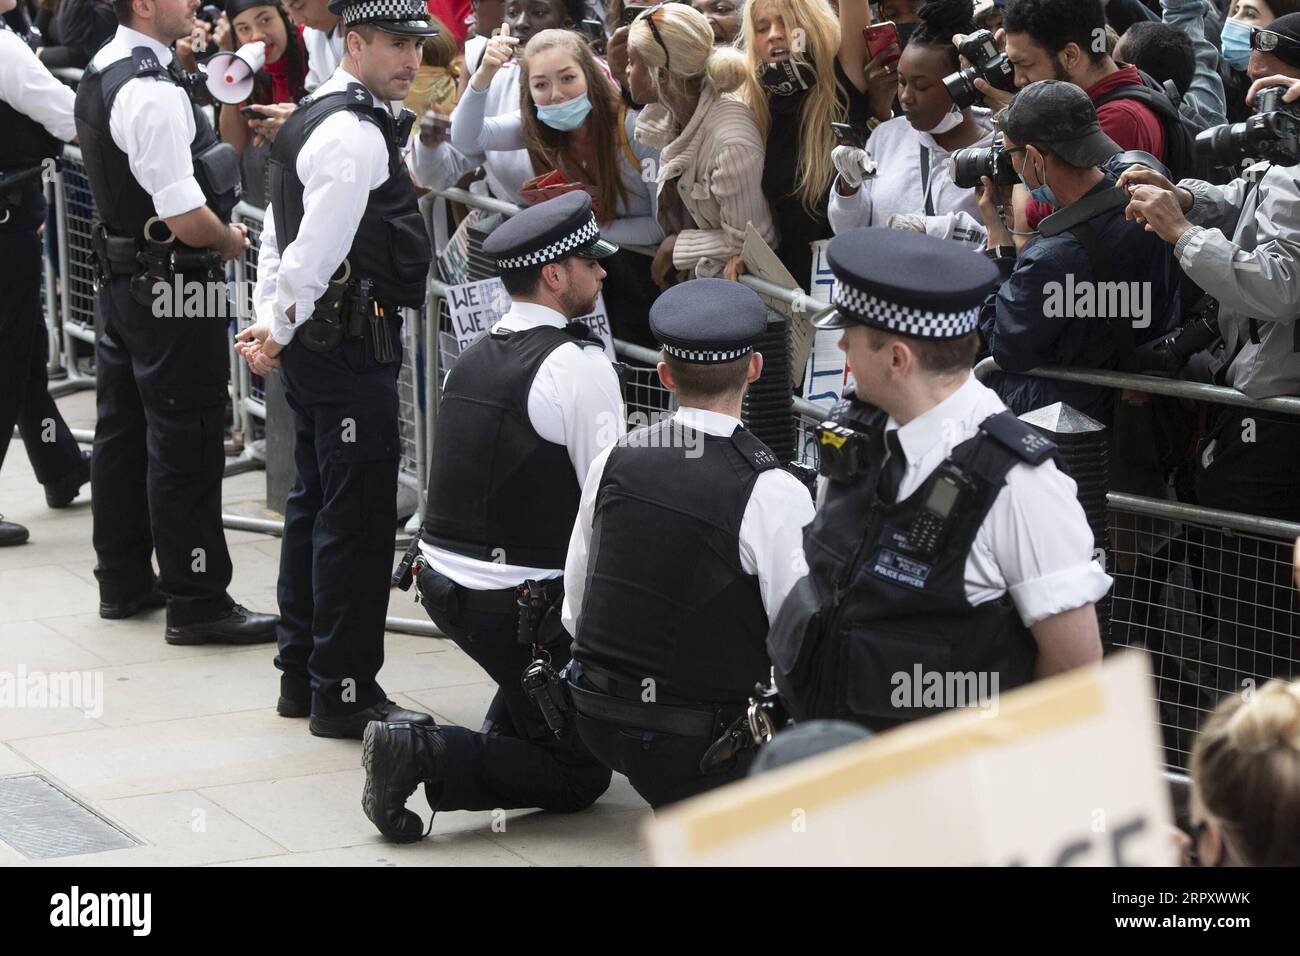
1207	593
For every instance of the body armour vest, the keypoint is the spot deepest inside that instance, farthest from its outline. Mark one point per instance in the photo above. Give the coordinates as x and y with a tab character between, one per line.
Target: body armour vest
121	203
666	597
391	246
880	630
498	491
24	148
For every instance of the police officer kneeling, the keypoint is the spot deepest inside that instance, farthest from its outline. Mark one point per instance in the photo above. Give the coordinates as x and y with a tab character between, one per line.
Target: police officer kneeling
949	547
524	411
687	542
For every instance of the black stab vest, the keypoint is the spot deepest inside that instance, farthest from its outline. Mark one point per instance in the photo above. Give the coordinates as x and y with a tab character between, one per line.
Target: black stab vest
857	637
666	597
391	246
498	491
24	148
121	203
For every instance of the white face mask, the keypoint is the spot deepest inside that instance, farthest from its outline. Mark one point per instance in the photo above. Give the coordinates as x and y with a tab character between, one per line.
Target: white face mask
951	120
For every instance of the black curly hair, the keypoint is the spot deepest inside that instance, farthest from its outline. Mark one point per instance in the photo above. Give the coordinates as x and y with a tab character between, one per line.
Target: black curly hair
940	19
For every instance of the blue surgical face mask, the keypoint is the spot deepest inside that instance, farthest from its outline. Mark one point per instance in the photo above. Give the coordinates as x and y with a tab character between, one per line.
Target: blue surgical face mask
1235	39
565	116
1041	193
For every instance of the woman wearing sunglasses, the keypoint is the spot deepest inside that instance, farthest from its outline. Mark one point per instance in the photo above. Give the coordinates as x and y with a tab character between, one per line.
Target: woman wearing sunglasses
1244	16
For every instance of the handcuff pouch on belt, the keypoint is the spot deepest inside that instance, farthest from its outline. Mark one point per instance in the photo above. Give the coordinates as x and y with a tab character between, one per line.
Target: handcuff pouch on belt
164	262
348	310
764	716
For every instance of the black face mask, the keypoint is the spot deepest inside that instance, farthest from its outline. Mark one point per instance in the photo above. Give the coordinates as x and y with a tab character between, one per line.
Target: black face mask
905	33
786	77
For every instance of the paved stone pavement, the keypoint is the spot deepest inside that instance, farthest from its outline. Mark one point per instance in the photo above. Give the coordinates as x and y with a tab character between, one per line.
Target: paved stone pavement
188	755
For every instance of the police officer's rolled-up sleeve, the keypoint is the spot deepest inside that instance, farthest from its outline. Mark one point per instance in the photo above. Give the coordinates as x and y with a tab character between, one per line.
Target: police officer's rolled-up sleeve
1263	282
343	160
30	88
771	536
152	123
1036	539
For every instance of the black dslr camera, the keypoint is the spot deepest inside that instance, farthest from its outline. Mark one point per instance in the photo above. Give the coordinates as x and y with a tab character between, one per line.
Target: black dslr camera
988	63
1170	353
969	164
1272	134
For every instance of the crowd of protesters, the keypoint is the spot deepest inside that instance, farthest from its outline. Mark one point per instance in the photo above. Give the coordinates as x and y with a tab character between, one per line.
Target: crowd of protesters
691	123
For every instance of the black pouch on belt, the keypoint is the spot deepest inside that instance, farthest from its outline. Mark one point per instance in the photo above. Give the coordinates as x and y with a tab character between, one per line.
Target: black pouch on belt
381	343
324	330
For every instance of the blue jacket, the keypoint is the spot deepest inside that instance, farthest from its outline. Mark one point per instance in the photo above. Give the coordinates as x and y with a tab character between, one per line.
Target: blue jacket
1049	310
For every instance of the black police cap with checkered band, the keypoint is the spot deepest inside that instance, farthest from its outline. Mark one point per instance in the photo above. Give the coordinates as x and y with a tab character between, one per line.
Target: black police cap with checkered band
707	321
907	283
548	232
401	17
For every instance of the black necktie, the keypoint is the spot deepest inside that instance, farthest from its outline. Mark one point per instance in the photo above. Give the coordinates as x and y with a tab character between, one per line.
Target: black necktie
891	475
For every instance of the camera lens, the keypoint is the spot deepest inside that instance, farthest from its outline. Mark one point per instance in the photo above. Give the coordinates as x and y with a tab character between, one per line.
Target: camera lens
961	87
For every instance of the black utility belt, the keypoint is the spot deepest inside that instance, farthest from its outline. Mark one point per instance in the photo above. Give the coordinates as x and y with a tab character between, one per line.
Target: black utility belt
620	701
350	311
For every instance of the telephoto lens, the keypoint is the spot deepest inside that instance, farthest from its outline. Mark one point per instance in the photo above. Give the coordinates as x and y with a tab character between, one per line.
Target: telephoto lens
974	162
1272	133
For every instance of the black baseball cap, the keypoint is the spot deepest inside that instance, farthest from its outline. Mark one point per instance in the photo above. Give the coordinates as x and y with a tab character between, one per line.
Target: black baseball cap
1058	114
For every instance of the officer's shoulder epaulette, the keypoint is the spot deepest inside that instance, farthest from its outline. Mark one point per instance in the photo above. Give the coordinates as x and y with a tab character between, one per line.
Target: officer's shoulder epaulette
144	62
759	456
1020	438
358	96
581	334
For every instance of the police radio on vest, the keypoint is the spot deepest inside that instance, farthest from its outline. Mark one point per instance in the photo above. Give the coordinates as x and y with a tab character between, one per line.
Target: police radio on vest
230	75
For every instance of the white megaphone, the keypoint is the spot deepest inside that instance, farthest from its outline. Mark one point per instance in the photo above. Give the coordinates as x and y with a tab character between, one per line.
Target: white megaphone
230	75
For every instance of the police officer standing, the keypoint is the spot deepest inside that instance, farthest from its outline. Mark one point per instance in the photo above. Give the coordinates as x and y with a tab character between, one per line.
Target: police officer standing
164	189
343	249
524	411
688	538
35	115
949	552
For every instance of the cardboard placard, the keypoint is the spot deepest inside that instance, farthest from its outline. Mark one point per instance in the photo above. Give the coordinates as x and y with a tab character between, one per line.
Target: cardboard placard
474	307
1065	772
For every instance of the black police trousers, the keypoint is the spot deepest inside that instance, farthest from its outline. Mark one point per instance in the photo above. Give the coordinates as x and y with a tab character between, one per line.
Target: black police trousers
24	342
159	455
340	523
524	764
662	768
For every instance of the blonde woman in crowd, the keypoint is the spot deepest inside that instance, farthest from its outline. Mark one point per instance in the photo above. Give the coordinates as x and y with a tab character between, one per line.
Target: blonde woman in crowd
1245	770
711	153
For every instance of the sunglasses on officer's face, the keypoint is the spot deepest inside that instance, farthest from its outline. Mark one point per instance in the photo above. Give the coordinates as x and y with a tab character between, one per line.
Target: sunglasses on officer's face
1266	41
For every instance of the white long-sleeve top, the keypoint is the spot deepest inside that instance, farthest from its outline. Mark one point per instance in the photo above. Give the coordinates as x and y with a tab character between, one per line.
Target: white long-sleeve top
714	169
343	159
898	187
324	54
472	131
505	170
771	529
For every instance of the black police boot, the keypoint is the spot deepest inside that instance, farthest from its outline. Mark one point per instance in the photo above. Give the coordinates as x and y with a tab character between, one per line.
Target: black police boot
118	610
295	697
398	757
59	494
354	725
11	533
238	625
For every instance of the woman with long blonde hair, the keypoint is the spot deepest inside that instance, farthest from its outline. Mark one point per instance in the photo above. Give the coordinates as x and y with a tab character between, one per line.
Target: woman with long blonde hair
814	70
711	152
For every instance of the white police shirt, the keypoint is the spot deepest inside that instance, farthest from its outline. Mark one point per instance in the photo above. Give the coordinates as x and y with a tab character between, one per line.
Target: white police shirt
1035	541
153	123
27	86
771	530
574	401
344	158
325	51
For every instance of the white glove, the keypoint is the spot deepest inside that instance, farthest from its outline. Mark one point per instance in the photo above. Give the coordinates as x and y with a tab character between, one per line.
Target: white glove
909	221
853	164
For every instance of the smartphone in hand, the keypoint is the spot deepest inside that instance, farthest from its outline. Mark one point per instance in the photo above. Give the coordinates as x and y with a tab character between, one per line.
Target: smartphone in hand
880	36
633	10
848	135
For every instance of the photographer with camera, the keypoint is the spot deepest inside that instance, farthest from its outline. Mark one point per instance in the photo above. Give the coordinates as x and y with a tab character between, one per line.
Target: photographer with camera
1065	40
1247	462
1091	285
913	188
